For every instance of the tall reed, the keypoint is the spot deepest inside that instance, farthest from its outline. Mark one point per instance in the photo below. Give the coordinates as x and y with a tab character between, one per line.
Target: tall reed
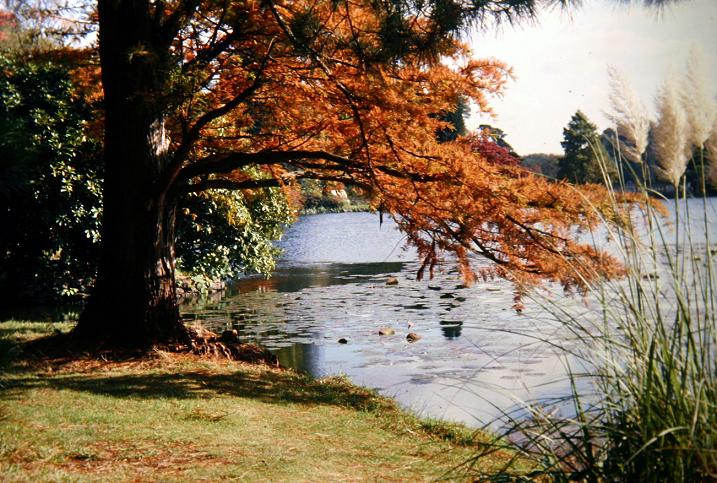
650	347
647	350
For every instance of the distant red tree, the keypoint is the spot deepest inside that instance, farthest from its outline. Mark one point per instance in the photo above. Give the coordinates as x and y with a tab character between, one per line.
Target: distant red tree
491	151
8	22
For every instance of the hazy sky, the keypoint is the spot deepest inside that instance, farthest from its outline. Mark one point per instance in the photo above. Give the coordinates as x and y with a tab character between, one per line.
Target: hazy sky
561	64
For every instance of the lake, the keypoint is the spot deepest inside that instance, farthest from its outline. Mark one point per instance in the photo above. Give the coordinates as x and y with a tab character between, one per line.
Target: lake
470	363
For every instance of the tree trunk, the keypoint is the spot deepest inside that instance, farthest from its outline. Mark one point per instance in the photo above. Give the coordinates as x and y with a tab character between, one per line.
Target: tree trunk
134	300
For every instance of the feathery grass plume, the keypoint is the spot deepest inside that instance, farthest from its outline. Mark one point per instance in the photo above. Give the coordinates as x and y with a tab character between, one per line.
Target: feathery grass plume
700	107
629	116
670	132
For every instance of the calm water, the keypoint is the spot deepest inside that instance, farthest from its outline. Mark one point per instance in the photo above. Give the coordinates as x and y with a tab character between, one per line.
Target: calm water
331	284
476	357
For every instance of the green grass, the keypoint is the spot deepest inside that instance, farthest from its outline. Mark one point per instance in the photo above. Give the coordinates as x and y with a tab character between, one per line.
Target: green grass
171	417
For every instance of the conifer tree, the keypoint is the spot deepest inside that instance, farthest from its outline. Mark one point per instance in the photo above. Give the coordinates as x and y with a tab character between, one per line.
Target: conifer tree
585	159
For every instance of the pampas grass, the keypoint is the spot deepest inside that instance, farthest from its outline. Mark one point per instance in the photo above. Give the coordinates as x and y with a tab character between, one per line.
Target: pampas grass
670	133
700	107
649	345
711	148
629	116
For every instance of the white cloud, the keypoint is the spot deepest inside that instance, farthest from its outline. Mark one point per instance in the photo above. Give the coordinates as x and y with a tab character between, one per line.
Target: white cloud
561	63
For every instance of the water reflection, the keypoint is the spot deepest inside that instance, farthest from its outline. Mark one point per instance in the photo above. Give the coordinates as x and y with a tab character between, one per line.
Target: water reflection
296	277
451	328
302	357
320	294
476	357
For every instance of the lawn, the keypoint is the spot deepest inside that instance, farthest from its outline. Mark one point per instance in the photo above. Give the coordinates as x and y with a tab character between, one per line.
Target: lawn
171	417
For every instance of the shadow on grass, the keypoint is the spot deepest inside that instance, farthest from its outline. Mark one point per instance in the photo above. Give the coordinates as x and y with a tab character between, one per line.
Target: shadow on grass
272	386
269	386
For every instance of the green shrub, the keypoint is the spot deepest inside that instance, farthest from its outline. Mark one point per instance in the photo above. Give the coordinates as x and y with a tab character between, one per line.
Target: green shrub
50	183
51	197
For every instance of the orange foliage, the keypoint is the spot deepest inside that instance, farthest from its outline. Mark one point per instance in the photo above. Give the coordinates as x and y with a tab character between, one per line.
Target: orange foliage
269	92
311	103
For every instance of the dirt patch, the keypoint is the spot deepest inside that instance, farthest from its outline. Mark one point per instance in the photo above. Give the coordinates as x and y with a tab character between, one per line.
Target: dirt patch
145	461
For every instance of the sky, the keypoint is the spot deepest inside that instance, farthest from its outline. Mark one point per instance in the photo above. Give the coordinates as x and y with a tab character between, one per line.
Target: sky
560	64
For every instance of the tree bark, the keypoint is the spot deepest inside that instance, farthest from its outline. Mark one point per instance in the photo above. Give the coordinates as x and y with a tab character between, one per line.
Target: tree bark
134	300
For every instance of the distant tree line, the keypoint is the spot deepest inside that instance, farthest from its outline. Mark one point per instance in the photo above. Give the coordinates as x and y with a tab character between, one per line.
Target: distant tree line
591	157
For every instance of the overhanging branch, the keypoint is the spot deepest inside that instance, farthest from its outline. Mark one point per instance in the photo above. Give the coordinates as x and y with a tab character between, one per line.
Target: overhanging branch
229	184
228	162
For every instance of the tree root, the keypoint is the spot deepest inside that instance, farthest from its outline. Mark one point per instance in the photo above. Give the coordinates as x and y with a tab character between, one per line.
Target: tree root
227	346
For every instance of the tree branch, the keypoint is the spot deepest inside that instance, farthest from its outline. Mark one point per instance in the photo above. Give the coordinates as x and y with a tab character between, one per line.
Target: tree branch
348	93
228	184
488	253
193	134
227	162
211	52
531	232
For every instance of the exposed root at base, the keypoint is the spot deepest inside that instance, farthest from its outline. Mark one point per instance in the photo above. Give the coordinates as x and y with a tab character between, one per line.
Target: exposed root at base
208	343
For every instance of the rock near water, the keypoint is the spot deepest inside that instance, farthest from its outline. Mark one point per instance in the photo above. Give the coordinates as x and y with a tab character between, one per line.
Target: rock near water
413	337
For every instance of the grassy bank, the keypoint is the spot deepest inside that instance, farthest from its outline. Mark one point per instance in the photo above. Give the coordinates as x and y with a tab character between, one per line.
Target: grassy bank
173	417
